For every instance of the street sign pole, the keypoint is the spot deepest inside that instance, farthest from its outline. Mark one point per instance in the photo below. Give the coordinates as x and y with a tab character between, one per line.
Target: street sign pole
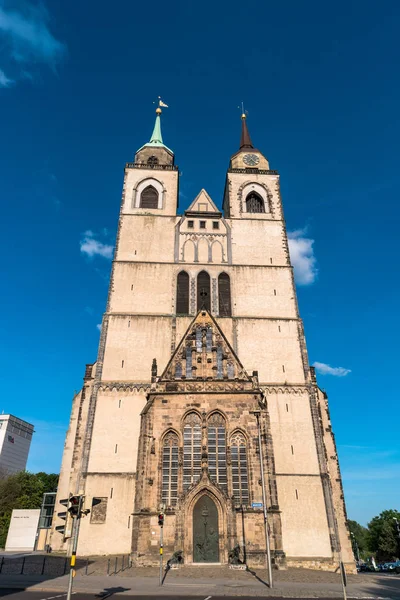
257	414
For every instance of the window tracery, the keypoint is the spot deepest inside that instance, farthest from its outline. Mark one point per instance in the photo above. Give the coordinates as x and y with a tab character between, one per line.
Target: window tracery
191	450
254	203
240	484
170	469
216	436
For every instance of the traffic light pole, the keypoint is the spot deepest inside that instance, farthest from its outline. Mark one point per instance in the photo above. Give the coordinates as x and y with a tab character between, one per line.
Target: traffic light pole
75	536
161	552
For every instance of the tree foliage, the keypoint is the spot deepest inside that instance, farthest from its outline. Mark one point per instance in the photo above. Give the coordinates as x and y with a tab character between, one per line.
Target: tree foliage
383	538
359	537
22	490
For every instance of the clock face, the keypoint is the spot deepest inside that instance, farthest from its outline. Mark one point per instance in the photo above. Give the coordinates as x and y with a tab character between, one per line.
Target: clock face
251	159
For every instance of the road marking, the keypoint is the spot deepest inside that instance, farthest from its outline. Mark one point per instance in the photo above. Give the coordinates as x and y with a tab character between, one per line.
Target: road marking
59	596
184	585
208	598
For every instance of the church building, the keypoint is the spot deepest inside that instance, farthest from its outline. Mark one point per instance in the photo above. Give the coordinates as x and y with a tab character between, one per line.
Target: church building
202	343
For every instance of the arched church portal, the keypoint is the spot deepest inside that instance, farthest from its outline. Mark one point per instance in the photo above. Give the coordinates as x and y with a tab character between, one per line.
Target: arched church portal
205	531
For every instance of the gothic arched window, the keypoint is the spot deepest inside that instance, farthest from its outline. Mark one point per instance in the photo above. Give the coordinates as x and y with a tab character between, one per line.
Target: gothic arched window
182	293
203	291
216	434
149	197
170	469
191	450
240	483
152	161
254	203
224	295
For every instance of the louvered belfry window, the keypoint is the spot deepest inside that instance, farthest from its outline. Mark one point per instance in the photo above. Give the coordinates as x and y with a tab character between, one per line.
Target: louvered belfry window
240	483
182	294
217	449
170	470
254	203
191	450
203	291
152	161
224	295
149	197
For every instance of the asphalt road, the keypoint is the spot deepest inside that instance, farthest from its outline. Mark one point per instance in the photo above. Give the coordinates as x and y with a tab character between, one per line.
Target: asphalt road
13	594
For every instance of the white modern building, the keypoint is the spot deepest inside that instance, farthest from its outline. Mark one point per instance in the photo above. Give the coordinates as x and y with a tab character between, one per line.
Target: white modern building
15	441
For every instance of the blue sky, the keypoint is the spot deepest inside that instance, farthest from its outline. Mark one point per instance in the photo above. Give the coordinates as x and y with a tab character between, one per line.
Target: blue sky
320	82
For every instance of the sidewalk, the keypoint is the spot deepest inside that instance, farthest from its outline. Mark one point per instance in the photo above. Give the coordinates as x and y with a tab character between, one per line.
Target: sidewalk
361	586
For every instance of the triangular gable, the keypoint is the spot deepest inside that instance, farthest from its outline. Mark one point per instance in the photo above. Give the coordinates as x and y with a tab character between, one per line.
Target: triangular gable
203	203
204	354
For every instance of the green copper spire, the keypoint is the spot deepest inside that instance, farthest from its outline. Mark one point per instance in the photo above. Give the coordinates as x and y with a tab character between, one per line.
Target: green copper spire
156	140
156	137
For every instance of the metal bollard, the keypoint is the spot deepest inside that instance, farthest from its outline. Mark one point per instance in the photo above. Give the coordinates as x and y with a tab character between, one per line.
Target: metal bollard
23	564
116	565
108	567
123	560
87	564
1	563
65	565
43	565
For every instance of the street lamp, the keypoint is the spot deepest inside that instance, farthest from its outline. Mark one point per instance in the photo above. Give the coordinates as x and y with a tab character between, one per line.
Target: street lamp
397	526
257	414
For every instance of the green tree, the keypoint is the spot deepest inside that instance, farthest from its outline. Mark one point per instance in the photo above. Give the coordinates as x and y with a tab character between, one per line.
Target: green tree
359	536
22	490
383	537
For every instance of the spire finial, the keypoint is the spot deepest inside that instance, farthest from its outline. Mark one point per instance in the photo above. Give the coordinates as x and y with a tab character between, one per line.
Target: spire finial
245	140
156	137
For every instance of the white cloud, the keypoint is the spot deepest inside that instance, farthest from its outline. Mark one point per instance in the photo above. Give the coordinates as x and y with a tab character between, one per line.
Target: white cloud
27	40
324	369
92	247
302	257
4	80
98	326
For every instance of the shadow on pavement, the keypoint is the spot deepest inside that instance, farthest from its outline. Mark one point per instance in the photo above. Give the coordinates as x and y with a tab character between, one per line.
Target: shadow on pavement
107	592
248	570
387	585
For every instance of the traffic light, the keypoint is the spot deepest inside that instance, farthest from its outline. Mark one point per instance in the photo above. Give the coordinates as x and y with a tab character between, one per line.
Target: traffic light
161	520
63	515
74	507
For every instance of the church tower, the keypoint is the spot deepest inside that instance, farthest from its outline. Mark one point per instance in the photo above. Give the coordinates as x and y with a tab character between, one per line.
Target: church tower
201	330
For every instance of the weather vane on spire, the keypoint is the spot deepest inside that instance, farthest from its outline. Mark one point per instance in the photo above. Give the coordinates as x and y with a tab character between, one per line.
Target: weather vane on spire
160	104
244	112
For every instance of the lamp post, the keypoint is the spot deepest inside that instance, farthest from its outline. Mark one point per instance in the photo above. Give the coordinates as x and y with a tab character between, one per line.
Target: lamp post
257	414
397	527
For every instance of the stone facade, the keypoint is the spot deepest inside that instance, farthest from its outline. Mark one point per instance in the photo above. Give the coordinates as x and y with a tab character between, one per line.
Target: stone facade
165	419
